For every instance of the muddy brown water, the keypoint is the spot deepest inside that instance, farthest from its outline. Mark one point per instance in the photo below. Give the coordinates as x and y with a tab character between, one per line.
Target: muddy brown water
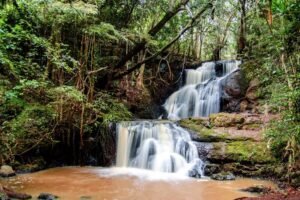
72	183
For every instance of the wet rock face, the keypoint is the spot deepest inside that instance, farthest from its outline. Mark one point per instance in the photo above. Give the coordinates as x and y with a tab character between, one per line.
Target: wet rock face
223	176
211	169
234	89
251	93
6	171
194	173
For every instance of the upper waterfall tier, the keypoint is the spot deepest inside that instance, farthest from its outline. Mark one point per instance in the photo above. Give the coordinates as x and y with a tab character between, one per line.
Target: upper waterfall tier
158	146
201	92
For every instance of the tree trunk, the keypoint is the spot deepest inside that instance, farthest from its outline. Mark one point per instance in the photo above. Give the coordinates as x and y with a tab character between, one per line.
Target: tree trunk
242	34
197	47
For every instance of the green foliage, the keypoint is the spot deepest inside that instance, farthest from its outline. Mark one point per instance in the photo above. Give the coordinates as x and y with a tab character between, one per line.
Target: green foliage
33	127
105	31
110	109
67	94
273	57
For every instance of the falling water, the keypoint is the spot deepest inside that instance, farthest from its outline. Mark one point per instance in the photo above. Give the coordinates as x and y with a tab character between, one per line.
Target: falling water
157	146
201	93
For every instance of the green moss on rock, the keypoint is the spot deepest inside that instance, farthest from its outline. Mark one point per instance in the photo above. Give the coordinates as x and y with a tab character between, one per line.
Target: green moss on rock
226	119
204	133
241	151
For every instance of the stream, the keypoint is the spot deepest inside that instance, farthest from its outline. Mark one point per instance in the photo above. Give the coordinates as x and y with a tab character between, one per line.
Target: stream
127	184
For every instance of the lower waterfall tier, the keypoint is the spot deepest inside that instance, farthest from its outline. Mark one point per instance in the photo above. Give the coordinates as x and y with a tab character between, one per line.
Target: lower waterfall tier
157	146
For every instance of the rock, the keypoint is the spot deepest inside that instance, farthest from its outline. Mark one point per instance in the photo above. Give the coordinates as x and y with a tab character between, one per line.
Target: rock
3	196
240	151
7	171
47	196
251	93
37	165
223	176
12	194
234	88
194	173
85	197
203	149
201	132
226	119
244	105
257	189
211	169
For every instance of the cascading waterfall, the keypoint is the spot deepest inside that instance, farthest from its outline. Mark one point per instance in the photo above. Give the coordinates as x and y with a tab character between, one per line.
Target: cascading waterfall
201	93
157	146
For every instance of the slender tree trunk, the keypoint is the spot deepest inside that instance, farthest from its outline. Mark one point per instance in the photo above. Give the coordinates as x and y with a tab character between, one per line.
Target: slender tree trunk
242	34
140	78
197	47
221	41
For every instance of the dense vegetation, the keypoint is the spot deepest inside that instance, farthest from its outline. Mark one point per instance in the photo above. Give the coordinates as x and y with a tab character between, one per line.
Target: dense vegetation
69	68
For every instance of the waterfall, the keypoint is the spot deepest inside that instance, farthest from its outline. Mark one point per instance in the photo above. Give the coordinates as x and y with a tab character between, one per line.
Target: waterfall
201	94
158	146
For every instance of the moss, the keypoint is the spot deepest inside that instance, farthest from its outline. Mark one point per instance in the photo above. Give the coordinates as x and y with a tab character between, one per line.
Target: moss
245	151
252	127
226	119
206	134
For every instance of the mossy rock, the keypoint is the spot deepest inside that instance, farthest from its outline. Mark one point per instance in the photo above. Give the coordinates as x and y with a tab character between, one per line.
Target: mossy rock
201	132
226	119
38	164
241	151
252	127
273	170
223	176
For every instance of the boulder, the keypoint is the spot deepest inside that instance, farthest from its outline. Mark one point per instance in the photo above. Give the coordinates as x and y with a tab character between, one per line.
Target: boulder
38	164
223	176
7	171
211	169
252	93
234	87
194	173
260	189
47	196
244	105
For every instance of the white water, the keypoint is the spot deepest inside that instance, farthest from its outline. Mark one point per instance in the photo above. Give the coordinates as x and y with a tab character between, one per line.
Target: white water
201	94
157	146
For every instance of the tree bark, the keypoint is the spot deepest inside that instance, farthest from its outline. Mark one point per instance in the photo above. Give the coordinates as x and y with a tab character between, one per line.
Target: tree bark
242	34
221	42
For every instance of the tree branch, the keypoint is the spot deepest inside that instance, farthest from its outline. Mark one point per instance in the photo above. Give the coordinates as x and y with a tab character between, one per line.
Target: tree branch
187	27
141	45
